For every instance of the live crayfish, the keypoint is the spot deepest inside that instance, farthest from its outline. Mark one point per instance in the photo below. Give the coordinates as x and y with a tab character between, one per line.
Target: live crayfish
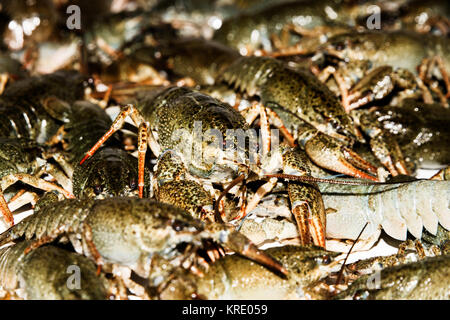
131	232
389	68
204	166
105	174
274	84
236	278
24	108
18	162
199	59
424	279
300	94
111	172
251	31
179	109
44	274
420	130
396	208
172	115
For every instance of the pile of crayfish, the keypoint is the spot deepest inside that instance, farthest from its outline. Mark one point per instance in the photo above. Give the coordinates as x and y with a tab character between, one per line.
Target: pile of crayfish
224	150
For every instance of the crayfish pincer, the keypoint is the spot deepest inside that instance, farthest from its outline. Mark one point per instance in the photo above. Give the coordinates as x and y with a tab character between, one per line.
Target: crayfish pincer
46	274
131	232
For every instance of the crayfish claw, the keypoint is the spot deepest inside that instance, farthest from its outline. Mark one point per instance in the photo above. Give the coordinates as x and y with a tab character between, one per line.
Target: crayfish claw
328	153
237	242
311	224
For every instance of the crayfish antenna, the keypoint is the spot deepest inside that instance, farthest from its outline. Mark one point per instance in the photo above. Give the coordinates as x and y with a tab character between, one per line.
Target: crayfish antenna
321	180
338	280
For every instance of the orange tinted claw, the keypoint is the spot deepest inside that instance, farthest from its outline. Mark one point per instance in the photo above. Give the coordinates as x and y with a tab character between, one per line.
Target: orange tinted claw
360	162
253	253
309	212
330	154
240	244
309	227
354	172
301	217
317	230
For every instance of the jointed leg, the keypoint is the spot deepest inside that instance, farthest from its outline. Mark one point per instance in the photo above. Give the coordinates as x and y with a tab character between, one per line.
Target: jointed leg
260	193
309	212
90	246
142	149
426	69
276	121
34	182
7	215
21	199
40	242
116	125
251	113
59	176
265	130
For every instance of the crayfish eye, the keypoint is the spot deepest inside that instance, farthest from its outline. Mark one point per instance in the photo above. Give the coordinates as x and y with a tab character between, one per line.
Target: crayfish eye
98	189
178	225
326	259
339	46
335	124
